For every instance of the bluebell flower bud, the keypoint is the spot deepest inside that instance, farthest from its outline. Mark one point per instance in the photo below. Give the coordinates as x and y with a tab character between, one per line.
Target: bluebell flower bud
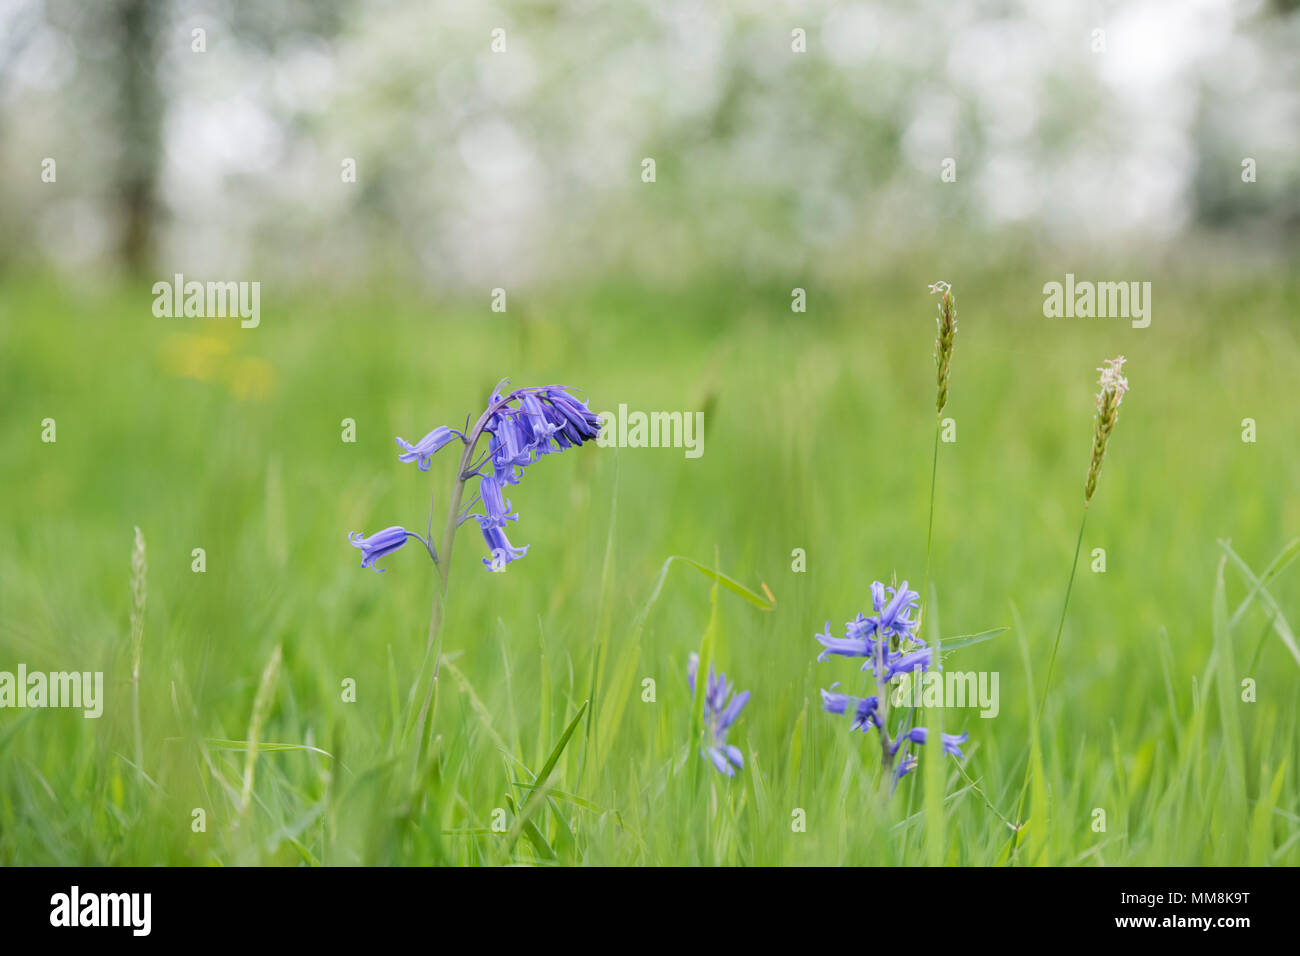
379	544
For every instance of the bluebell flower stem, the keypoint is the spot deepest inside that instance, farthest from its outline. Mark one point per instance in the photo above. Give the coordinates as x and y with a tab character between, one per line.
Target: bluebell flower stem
442	566
547	413
428	532
442	563
882	716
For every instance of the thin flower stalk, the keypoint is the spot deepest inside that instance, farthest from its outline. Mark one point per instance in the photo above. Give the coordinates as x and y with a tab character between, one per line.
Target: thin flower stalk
139	593
1113	386
945	340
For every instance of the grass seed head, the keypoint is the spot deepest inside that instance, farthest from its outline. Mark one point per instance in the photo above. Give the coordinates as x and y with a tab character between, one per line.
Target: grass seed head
1113	388
947	322
139	591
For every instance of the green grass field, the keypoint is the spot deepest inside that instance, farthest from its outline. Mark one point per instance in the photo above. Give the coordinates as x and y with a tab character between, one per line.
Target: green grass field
819	432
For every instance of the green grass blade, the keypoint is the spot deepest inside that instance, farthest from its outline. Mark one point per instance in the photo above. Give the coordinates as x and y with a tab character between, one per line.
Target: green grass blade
702	671
524	825
1227	688
1275	568
544	774
728	582
221	743
523	822
949	644
794	766
1280	623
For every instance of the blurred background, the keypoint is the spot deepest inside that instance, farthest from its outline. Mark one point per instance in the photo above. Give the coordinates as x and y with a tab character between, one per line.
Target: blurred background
221	152
1138	141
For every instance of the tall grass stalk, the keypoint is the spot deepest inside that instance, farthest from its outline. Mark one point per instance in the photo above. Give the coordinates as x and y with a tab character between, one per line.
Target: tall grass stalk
945	340
929	535
139	592
261	709
1051	663
1114	386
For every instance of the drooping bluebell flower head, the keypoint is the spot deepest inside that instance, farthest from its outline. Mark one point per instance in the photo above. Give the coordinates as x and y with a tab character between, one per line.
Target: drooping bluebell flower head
521	425
379	544
719	715
889	642
524	423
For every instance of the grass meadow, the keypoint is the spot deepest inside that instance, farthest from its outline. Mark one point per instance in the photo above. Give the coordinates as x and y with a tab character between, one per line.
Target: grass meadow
819	435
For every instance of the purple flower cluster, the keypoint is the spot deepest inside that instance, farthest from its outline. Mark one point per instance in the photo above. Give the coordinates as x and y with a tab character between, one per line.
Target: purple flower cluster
719	715
522	425
888	640
892	648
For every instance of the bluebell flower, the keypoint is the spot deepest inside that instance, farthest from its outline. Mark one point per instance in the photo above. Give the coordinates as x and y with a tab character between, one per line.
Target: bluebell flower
901	663
504	467
862	628
905	766
496	507
521	435
379	544
521	425
865	710
719	715
535	421
835	703
423	450
892	622
919	735
513	443
578	422
889	642
844	646
866	715
894	615
499	545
